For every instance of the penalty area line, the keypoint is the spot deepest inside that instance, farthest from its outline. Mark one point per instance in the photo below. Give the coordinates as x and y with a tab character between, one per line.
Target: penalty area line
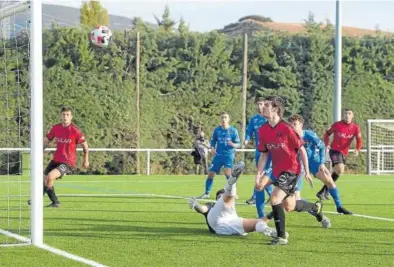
364	216
201	200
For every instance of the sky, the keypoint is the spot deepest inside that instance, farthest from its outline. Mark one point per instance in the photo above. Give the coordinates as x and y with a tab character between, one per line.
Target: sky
207	15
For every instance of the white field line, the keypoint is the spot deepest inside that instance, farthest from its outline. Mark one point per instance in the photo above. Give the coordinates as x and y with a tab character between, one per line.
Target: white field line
27	241
202	200
15	245
170	181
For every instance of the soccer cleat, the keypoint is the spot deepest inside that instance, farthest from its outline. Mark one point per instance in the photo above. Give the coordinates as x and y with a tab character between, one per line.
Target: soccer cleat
278	241
236	173
320	195
29	202
203	196
275	234
53	205
251	201
317	210
342	210
325	222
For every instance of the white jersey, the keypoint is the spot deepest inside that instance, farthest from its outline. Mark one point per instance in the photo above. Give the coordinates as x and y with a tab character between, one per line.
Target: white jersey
224	220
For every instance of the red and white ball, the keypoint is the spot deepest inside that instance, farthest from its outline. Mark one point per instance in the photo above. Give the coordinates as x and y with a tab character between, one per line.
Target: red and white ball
101	36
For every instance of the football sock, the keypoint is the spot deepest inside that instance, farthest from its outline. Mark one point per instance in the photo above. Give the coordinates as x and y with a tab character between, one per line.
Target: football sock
230	190
52	195
208	185
335	195
279	217
302	205
335	176
260	199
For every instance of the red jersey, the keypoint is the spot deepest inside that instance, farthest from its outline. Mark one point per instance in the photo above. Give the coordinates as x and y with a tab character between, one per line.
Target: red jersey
283	144
67	139
343	136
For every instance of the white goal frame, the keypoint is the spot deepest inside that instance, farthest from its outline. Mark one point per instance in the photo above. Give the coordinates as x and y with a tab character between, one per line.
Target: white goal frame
376	152
36	116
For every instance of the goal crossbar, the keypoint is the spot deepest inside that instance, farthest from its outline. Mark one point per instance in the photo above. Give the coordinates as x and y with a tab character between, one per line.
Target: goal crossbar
11	10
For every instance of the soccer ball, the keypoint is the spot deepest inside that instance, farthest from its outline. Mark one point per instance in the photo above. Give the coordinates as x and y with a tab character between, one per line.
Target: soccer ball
101	36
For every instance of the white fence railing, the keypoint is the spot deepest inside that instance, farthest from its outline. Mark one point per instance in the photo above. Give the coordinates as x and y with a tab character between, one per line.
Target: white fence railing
147	150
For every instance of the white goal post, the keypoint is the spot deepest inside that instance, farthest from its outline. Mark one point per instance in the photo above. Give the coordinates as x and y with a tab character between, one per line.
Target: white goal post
380	146
31	11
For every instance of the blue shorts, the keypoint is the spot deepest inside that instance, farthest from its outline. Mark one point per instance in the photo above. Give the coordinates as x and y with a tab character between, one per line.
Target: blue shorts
300	182
219	161
314	166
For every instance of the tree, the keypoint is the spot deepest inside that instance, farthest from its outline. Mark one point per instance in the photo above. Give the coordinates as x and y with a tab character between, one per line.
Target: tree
182	27
165	23
92	13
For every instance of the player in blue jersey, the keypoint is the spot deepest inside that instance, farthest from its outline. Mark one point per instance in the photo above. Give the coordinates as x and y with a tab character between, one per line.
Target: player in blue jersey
224	141
255	123
316	150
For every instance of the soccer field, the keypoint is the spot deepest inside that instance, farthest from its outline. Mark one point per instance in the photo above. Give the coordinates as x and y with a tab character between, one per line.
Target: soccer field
145	221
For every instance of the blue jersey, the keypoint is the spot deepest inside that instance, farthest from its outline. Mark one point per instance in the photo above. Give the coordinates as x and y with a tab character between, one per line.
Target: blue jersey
253	128
314	146
220	139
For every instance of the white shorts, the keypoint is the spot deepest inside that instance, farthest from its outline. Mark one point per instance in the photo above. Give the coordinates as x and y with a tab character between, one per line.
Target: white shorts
224	220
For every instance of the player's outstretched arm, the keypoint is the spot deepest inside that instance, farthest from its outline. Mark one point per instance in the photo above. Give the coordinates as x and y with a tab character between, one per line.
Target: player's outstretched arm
304	158
327	134
46	142
85	148
194	204
260	169
249	132
359	142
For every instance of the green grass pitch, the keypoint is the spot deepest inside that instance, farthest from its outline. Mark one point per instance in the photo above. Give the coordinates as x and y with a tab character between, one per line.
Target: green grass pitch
148	230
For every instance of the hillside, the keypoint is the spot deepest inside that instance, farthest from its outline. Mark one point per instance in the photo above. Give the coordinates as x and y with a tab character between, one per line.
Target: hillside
254	24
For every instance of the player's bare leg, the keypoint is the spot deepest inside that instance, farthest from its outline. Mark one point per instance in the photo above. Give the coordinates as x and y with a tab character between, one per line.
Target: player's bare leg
330	187
295	203
338	169
50	189
44	190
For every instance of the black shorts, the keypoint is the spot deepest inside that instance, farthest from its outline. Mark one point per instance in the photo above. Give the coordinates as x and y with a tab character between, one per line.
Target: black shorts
337	157
287	181
63	168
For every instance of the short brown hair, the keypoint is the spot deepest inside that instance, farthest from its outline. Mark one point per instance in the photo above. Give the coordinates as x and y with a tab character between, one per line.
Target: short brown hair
348	109
277	102
66	108
296	117
259	99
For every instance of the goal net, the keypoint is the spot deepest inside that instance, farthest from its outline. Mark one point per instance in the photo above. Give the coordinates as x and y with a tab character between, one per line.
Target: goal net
14	122
380	146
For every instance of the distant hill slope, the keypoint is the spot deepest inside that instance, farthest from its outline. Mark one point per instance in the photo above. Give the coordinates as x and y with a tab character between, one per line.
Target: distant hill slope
251	26
69	16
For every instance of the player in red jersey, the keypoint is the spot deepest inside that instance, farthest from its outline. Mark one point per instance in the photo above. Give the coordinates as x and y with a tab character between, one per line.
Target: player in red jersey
344	132
67	136
282	142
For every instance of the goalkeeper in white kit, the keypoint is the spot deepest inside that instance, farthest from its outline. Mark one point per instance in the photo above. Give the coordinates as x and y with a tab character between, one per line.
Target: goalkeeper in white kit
222	218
